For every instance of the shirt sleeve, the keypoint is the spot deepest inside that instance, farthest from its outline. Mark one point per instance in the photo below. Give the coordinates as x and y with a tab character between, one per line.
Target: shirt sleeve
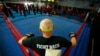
27	42
65	42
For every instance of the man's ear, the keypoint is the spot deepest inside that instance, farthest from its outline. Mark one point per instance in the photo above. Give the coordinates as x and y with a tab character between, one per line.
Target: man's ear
53	27
40	30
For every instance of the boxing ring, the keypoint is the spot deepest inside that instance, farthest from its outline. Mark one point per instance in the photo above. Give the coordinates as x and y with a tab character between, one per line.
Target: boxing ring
12	30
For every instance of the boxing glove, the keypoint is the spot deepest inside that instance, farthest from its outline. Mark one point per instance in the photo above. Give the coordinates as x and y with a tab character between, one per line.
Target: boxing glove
72	34
29	35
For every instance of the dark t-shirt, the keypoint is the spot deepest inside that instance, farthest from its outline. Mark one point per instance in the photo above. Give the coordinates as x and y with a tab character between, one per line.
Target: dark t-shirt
40	43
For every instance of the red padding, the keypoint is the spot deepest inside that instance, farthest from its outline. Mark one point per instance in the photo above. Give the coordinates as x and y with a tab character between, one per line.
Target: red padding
67	51
17	35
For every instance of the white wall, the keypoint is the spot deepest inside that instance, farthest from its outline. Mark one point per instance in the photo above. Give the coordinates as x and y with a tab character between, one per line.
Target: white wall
78	4
99	10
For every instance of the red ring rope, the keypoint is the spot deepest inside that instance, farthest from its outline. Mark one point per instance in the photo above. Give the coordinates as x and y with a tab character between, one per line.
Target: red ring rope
17	35
67	51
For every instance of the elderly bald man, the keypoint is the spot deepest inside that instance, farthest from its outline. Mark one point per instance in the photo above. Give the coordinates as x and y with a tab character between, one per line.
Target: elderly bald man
47	42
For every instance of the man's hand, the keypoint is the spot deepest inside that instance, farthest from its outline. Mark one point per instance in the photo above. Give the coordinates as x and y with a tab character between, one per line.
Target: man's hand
72	34
73	38
29	35
25	37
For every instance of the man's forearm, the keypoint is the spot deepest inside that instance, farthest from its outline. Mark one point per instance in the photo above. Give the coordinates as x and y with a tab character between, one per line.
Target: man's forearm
23	38
73	40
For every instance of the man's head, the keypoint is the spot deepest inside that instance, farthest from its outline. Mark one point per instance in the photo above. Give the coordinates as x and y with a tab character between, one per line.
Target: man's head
46	25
